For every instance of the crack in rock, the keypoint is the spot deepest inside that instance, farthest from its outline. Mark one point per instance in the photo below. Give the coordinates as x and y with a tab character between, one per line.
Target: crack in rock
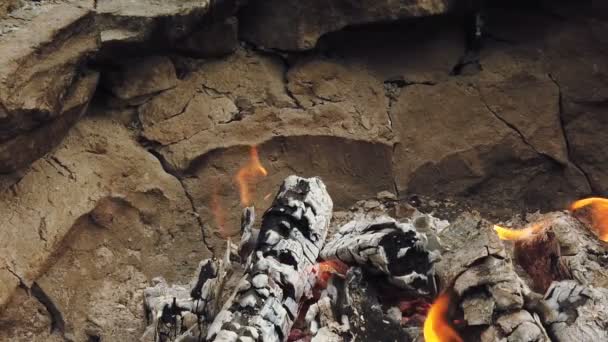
178	177
57	321
565	135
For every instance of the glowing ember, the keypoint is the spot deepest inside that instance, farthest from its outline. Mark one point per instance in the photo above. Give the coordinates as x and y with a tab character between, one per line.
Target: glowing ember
518	234
436	326
326	268
248	174
597	210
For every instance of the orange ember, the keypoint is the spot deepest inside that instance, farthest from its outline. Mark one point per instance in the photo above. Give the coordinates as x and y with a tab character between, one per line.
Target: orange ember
248	174
518	234
436	326
597	209
327	268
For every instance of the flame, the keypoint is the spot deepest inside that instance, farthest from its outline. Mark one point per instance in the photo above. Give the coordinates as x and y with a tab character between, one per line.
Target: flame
598	214
436	326
518	234
218	212
249	173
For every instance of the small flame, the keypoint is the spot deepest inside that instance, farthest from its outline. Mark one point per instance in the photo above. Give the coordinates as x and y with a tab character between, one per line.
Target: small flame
249	173
218	212
436	326
518	234
598	214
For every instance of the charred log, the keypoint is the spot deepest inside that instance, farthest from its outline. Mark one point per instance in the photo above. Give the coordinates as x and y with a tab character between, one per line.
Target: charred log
265	303
384	246
581	312
178	311
491	294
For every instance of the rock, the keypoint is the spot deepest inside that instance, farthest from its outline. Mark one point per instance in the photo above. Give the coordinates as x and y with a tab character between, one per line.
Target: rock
8	6
295	25
454	144
43	85
126	24
26	318
136	78
125	188
214	39
337	109
23	149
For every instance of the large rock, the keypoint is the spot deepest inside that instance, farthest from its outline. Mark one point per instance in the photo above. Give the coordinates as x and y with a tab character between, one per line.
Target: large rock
319	119
244	100
452	144
148	23
43	85
100	182
297	25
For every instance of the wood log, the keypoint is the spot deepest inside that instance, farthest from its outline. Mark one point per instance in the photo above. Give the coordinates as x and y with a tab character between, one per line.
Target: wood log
581	312
170	309
266	301
383	245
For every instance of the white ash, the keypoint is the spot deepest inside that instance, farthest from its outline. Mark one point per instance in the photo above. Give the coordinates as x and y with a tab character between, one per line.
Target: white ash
382	245
264	308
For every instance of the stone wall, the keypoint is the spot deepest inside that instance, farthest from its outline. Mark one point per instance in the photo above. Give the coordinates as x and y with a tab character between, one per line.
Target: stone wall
122	127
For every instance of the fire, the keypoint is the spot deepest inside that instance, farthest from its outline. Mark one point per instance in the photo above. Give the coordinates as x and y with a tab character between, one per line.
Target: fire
518	234
597	209
218	212
326	268
436	326
248	174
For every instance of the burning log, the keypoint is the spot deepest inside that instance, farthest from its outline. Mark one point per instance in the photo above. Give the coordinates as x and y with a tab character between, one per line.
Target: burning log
265	303
537	250
491	294
384	246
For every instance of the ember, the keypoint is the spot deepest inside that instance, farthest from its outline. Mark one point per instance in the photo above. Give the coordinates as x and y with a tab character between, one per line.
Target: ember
436	326
596	209
325	270
248	174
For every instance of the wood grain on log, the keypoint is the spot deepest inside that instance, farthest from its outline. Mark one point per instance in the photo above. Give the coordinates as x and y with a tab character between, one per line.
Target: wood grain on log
383	245
266	301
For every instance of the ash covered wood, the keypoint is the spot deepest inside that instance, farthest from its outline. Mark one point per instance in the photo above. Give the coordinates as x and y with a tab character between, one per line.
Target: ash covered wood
383	245
580	312
178	311
584	255
491	294
266	301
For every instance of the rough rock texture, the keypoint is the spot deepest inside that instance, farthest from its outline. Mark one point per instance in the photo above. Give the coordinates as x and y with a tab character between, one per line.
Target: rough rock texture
123	216
376	109
297	25
43	86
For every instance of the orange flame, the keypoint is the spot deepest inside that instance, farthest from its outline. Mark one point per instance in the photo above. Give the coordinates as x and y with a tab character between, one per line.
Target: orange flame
598	214
218	212
518	234
247	174
436	326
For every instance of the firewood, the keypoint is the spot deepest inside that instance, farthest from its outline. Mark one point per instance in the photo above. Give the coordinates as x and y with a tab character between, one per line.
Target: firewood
383	245
266	301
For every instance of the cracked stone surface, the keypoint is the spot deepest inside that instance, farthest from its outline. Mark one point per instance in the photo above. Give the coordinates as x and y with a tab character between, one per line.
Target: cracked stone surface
295	25
138	182
107	217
